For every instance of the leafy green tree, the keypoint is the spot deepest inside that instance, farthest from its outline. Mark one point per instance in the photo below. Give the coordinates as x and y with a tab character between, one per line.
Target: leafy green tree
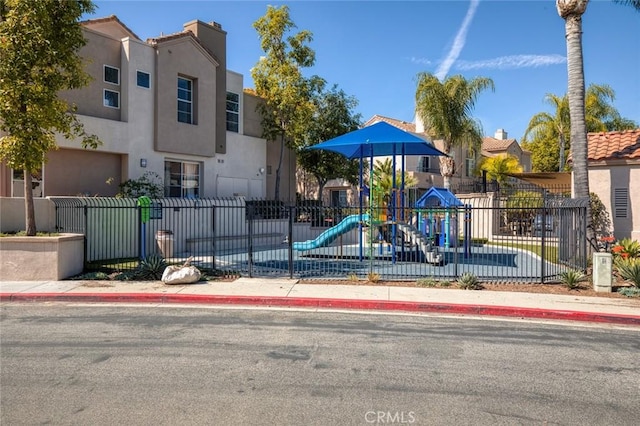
499	168
445	110
333	116
39	44
279	81
544	151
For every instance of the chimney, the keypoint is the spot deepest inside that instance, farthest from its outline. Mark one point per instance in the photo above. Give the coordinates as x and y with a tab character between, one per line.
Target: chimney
501	134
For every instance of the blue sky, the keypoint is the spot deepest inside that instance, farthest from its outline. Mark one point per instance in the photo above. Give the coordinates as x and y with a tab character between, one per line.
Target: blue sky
373	50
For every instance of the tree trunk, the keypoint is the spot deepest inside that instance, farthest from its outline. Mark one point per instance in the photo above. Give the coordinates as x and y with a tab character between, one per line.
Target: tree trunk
321	184
278	170
571	11
447	166
561	153
30	214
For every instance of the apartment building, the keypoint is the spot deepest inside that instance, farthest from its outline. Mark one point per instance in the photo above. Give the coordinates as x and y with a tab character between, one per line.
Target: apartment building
168	106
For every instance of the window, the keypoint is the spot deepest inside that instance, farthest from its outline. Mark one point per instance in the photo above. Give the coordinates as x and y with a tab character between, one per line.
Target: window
181	179
424	165
470	166
185	104
111	75
17	184
338	198
621	203
233	114
111	99
143	79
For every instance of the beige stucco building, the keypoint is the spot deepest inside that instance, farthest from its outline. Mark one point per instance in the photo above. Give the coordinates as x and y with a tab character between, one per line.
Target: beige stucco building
500	144
169	106
614	175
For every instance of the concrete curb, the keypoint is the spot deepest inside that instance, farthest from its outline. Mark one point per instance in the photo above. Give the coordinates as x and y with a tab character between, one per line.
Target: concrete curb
307	302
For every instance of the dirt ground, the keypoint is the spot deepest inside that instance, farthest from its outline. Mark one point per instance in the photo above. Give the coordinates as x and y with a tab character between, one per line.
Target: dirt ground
585	289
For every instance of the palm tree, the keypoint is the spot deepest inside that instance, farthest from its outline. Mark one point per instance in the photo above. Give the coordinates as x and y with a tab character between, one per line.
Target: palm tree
383	181
571	11
499	168
444	108
600	116
558	124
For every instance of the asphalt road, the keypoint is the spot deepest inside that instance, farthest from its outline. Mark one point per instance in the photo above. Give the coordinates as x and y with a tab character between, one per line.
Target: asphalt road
112	365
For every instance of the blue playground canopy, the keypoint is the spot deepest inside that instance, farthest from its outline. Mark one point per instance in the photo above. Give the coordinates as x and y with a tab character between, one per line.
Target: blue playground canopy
379	139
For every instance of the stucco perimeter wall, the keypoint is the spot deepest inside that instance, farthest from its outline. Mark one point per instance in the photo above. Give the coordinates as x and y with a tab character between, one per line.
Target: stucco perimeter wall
12	214
482	214
41	258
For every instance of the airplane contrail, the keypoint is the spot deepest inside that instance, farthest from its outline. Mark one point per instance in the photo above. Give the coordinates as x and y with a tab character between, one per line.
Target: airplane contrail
458	42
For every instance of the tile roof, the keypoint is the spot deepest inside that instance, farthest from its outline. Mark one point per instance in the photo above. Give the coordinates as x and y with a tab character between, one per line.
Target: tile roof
614	145
493	144
400	124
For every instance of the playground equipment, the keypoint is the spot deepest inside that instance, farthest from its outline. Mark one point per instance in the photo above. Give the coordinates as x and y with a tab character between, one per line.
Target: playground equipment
439	211
329	235
418	239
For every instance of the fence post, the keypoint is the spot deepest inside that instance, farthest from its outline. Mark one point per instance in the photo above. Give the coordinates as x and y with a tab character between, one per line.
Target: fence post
543	232
292	212
86	228
250	238
213	239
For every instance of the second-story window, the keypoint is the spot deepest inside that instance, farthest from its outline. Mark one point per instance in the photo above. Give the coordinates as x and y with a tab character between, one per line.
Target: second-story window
111	75
143	79
185	100
233	112
424	164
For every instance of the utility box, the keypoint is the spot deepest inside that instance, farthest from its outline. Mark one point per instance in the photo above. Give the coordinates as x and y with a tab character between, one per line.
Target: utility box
602	272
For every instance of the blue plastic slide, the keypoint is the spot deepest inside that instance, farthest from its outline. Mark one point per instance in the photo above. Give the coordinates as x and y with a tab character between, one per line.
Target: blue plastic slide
324	239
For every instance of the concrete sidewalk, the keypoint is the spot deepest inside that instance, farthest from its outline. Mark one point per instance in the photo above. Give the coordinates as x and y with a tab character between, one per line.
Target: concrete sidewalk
290	293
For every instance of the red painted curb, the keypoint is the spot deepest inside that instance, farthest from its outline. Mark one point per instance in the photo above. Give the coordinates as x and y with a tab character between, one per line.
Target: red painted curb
308	302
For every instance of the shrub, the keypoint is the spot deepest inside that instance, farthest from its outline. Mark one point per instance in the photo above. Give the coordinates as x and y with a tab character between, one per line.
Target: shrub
445	283
151	268
629	291
149	184
373	277
89	276
427	282
629	269
353	277
572	279
469	281
626	248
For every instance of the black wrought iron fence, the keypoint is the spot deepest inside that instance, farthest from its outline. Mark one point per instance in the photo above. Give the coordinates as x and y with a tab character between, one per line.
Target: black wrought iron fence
532	243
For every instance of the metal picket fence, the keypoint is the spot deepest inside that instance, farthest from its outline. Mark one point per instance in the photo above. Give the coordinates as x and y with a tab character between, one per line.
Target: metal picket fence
261	238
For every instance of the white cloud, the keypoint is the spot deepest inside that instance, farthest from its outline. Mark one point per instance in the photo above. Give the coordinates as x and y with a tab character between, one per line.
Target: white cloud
512	62
458	42
419	61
